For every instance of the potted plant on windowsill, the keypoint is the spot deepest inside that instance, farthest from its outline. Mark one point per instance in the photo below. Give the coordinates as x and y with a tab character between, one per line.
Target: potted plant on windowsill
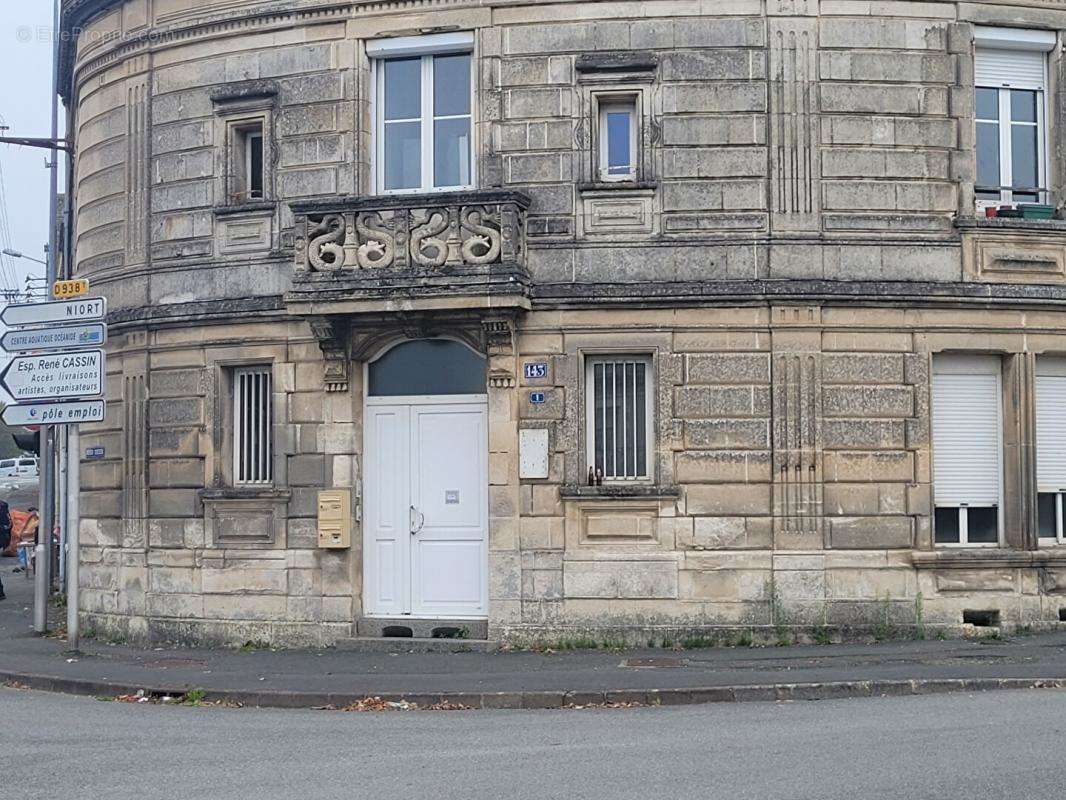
1036	211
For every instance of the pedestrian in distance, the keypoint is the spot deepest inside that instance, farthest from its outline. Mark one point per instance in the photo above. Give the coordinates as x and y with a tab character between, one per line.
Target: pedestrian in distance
5	535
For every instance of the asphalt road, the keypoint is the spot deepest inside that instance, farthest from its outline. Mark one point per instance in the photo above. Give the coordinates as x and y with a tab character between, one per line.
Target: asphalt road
990	745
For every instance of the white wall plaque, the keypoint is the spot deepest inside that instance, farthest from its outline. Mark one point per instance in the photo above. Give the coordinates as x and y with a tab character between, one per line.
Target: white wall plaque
533	453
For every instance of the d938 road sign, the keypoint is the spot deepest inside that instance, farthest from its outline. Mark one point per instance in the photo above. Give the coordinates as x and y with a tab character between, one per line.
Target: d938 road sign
64	290
61	413
84	310
55	376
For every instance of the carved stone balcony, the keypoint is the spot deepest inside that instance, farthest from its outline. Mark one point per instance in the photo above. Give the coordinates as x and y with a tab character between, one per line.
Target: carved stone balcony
412	247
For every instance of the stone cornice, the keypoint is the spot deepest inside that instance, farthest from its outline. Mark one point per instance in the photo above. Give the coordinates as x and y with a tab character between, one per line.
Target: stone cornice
79	13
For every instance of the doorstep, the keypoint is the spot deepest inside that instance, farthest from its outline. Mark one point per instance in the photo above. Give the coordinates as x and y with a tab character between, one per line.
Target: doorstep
421	628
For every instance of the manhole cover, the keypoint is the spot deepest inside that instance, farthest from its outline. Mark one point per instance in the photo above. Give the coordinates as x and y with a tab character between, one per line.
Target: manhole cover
653	663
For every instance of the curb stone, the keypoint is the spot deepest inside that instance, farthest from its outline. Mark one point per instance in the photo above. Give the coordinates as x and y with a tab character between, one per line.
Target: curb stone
554	699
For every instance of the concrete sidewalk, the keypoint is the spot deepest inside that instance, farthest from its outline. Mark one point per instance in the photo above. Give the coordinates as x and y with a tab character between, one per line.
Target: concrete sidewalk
521	679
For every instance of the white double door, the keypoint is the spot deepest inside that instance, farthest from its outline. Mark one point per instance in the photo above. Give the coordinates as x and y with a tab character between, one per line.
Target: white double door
426	506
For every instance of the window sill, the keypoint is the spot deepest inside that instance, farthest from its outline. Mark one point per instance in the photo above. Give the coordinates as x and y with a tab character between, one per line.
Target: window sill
620	490
956	557
222	494
1008	224
618	186
252	207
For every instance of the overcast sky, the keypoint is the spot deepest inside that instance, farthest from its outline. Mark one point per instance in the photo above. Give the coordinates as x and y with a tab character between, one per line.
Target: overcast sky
25	107
25	89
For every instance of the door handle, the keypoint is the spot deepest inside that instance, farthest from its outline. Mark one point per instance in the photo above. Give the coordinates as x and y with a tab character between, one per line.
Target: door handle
421	521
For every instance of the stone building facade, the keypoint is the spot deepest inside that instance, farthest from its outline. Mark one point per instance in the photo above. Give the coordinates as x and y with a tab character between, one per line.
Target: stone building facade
450	262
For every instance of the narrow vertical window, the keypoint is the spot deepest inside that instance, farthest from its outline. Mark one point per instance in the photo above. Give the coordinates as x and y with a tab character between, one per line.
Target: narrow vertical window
1050	387
247	180
424	123
618	416
967	460
253	163
252	426
617	131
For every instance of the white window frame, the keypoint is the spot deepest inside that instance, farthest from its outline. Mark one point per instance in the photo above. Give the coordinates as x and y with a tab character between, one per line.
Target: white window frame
608	104
591	360
1022	40
259	472
1050	367
969	365
424	47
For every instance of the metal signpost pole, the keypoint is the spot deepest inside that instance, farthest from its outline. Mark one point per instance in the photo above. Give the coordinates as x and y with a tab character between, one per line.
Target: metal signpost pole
47	455
73	533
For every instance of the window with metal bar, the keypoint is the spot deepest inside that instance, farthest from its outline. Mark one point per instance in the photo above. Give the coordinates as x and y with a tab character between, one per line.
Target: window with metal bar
618	416
252	428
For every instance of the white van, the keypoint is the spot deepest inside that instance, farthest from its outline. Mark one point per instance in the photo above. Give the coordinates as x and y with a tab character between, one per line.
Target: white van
9	468
28	468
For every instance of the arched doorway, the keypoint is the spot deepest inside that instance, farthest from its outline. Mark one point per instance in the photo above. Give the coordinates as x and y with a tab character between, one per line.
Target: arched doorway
425	523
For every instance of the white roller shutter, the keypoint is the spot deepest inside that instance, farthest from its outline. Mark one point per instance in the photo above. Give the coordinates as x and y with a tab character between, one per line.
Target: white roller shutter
1051	424
966	431
1018	69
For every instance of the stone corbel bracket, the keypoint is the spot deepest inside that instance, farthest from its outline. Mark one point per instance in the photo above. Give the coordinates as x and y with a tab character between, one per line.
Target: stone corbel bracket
332	335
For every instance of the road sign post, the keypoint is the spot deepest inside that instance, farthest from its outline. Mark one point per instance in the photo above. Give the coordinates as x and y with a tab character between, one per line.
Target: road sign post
60	366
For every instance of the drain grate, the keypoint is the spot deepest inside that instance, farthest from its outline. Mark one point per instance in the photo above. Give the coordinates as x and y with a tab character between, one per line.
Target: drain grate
397	632
653	663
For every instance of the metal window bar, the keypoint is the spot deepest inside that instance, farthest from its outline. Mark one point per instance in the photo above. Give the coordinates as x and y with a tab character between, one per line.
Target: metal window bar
252	414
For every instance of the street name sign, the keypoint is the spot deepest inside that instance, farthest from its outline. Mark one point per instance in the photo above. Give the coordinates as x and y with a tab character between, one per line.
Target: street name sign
83	310
66	337
61	413
55	376
64	290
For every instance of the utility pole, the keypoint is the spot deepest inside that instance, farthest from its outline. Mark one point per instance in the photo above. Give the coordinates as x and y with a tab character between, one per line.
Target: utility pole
43	551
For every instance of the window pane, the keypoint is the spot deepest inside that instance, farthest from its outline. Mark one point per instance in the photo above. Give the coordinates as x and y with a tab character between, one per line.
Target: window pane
982	525
640	411
255	166
618	140
1046	516
451	152
946	525
428	367
403	88
451	85
1023	156
1022	106
403	155
620	421
597	388
988	157
609	430
988	104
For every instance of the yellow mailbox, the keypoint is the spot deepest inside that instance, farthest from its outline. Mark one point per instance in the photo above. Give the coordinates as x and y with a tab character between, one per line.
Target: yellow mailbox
335	519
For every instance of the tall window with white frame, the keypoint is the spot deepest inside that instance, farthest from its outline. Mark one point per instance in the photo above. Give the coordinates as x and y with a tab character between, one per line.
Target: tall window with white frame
1010	115
967	451
618	134
423	108
619	428
1050	387
252	426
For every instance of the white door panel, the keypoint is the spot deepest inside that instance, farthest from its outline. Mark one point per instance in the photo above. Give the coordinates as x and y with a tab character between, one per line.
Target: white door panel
386	514
449	490
426	514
